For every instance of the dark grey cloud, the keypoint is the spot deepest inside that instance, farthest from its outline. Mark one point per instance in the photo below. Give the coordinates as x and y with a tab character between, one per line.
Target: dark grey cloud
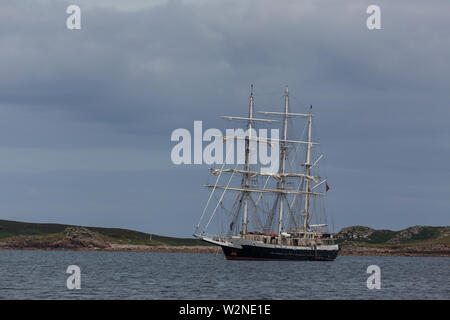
110	94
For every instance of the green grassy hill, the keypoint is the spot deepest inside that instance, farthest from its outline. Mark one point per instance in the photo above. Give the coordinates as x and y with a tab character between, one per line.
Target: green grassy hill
355	235
416	236
11	229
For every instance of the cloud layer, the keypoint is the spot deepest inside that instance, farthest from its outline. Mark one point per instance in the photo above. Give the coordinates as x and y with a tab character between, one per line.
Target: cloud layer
88	103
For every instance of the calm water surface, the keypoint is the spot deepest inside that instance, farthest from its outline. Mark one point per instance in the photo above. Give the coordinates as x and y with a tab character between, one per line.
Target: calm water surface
123	275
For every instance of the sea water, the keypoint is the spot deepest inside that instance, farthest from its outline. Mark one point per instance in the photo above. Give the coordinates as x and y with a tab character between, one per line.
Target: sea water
27	274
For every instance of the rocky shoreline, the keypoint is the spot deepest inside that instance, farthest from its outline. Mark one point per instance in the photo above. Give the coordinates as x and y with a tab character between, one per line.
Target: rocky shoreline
124	248
433	251
82	239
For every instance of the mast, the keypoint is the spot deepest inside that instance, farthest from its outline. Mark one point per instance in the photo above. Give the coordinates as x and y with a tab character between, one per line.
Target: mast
308	172
246	188
283	158
247	162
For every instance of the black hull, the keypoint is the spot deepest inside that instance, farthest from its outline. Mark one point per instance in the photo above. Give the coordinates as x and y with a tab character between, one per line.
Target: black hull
266	253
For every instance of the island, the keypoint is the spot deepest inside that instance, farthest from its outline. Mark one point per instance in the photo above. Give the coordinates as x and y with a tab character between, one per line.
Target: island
354	240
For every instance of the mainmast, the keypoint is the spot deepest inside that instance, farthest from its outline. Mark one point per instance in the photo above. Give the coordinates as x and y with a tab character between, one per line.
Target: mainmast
247	161
283	158
308	172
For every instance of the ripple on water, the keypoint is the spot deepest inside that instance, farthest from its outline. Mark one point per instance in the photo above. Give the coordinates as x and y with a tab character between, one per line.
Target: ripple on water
132	275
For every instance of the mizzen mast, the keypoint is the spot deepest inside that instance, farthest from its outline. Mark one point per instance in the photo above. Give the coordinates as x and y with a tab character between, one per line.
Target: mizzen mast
308	166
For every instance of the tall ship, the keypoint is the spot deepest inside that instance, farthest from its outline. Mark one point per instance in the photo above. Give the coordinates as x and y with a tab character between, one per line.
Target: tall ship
258	214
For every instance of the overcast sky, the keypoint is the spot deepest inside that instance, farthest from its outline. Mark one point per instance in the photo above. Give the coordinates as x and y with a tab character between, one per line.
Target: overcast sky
86	115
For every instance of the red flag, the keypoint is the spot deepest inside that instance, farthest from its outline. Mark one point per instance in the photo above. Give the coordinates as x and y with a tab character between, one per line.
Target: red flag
327	187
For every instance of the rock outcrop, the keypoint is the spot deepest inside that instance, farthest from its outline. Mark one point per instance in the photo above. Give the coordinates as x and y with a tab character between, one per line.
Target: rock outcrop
355	233
72	238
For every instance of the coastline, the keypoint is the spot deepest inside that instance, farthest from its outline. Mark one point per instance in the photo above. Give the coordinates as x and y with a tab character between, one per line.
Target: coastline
126	248
416	241
346	251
